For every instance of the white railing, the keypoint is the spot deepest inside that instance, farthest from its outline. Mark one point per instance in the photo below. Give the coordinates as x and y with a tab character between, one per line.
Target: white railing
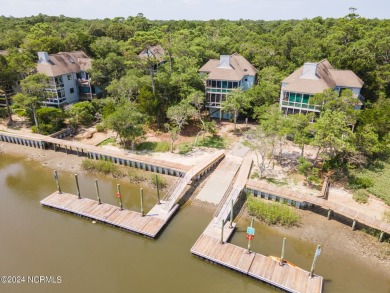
227	206
177	191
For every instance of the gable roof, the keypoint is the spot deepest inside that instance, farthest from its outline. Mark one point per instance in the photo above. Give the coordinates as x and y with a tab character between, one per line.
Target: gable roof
235	70
154	51
325	77
64	63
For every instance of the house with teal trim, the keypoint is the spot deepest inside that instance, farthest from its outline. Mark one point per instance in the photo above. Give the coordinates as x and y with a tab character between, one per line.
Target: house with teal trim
223	75
69	77
313	78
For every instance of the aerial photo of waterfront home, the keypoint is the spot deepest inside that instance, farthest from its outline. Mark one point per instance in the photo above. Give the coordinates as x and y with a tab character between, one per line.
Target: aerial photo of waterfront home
194	146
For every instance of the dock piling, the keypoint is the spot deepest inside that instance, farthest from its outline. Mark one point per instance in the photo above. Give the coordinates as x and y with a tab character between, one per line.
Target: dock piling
77	185
283	248
57	181
142	201
158	191
119	196
354	225
231	215
249	240
318	251
97	191
329	213
381	236
222	225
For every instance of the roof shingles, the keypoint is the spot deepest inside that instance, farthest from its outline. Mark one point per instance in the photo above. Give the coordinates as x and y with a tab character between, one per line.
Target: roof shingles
327	77
64	63
239	67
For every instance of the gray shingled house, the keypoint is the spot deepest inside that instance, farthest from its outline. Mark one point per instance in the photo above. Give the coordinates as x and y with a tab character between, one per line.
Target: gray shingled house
223	75
313	78
69	79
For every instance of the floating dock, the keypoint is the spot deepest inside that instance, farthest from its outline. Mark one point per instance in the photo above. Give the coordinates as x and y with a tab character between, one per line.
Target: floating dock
148	225
286	277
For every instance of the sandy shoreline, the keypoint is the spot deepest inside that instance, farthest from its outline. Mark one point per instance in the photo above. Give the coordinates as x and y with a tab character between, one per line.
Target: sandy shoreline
313	227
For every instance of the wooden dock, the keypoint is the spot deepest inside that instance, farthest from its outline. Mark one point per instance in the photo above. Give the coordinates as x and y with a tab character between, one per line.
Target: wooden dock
286	277
149	225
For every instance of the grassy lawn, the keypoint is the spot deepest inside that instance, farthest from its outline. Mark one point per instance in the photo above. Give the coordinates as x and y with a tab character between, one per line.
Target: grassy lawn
215	141
153	146
379	177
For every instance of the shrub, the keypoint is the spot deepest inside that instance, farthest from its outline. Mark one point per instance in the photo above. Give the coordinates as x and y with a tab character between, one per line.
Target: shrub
360	182
81	113
272	212
360	196
100	127
214	141
52	117
185	148
3	113
386	216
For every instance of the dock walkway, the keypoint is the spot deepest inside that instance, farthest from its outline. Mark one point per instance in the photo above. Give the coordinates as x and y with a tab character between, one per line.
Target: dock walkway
149	225
286	277
212	244
219	182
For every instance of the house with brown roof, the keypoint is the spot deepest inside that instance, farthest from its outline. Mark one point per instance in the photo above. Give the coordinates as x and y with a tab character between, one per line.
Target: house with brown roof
69	79
154	54
313	78
223	75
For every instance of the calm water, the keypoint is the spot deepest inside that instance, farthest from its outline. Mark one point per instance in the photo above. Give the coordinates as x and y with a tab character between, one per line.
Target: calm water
98	258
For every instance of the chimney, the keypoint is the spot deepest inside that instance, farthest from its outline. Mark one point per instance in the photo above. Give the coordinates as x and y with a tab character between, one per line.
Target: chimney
309	71
224	61
43	57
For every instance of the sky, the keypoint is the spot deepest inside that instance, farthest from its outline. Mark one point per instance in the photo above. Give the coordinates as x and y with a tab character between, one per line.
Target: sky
197	9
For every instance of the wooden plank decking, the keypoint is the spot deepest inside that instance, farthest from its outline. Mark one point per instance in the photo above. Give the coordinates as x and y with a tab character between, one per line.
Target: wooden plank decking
286	277
149	225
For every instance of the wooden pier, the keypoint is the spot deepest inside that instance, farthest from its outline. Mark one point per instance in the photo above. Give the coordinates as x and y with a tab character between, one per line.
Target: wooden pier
286	277
149	225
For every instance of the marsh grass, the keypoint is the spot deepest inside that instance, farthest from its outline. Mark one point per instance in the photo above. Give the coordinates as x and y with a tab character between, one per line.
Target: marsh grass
101	166
272	213
162	183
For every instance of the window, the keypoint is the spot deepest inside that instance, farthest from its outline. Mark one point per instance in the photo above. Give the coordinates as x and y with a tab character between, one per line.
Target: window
58	81
69	77
71	90
246	79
